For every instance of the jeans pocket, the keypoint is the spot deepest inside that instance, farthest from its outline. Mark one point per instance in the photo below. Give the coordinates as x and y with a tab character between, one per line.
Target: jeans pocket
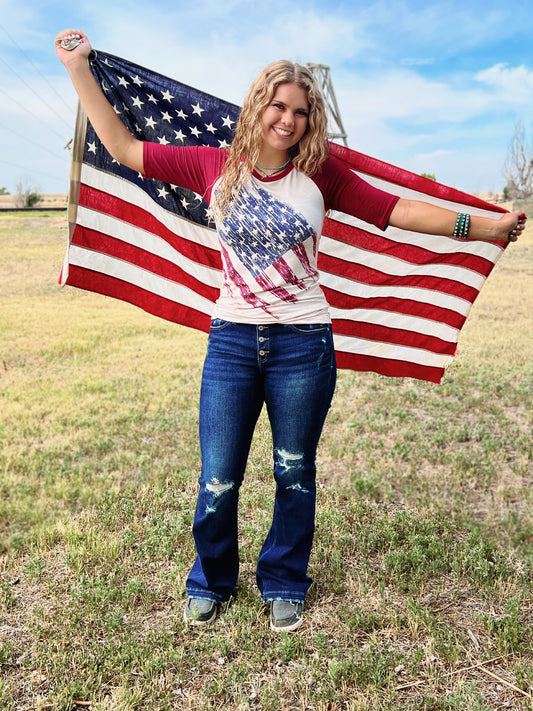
218	324
310	327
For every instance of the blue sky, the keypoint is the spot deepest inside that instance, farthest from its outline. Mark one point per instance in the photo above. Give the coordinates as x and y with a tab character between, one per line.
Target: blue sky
432	87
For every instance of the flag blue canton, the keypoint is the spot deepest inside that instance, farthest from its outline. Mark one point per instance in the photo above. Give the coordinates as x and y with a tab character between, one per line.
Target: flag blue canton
162	110
261	229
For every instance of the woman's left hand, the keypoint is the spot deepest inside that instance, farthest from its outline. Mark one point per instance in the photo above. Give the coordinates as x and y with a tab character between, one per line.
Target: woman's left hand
510	226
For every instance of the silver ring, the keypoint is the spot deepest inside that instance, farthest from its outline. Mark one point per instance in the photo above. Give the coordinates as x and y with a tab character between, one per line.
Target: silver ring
70	42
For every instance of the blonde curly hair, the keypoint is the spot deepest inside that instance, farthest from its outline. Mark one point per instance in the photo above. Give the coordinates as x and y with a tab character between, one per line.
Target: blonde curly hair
307	156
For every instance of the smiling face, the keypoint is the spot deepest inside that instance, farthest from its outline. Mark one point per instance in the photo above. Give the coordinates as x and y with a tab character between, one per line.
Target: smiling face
284	123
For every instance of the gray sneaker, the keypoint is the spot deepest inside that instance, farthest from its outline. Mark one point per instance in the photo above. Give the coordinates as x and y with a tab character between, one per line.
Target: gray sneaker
285	616
199	611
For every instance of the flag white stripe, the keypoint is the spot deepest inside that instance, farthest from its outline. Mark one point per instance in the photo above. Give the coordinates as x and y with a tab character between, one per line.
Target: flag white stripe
400	321
419	356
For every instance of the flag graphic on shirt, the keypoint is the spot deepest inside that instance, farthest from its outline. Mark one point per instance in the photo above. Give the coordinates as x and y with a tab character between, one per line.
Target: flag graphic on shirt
265	234
398	299
257	215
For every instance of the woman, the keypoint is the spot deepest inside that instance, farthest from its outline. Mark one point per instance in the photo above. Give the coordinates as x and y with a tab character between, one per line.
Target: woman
270	340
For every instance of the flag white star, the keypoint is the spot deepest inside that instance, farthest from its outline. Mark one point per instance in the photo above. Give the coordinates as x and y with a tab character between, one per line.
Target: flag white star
137	102
209	127
166	117
227	122
150	122
162	193
122	81
152	98
181	114
167	96
116	110
195	132
223	144
92	147
184	203
196	109
163	141
180	136
137	81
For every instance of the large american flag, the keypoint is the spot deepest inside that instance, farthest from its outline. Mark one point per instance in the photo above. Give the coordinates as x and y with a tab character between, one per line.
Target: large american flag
398	299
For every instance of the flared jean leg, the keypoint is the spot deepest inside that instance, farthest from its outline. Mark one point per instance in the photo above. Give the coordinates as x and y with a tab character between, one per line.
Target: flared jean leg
231	399
298	400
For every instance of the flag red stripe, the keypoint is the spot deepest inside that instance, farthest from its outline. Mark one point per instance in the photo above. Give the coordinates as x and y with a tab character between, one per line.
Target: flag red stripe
414	254
386	334
152	303
389	367
99	242
404	178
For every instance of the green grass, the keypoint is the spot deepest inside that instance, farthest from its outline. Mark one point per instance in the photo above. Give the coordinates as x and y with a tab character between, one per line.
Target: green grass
422	563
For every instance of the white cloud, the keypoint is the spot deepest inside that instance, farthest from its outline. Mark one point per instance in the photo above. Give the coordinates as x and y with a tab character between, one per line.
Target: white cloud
512	85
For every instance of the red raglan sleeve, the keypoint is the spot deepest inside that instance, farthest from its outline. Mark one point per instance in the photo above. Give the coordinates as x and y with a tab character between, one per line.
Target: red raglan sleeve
193	167
345	191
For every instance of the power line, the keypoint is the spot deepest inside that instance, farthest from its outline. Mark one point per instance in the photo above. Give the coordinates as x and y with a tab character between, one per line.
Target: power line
51	108
28	140
39	172
27	58
30	112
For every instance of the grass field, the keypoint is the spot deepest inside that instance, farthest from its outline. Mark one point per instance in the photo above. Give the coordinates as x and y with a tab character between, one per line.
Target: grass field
423	559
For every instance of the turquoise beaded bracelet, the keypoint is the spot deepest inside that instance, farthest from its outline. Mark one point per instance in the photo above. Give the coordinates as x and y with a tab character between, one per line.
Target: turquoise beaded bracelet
462	225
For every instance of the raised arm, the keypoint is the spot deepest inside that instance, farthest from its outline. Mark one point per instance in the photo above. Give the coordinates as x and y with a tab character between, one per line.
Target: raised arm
424	217
124	147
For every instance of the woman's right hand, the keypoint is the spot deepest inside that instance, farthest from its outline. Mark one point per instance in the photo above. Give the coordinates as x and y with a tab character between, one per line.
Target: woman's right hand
70	56
122	145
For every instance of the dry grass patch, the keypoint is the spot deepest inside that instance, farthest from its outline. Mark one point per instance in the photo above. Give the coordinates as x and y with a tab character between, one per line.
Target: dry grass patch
422	563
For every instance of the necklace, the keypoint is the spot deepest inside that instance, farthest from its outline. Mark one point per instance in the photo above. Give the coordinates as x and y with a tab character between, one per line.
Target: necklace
275	169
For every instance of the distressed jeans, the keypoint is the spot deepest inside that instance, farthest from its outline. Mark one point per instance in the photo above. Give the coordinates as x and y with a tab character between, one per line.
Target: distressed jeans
290	368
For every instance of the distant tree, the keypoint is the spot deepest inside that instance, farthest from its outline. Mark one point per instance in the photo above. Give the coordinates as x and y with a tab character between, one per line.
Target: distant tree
4	191
27	196
518	168
32	199
430	176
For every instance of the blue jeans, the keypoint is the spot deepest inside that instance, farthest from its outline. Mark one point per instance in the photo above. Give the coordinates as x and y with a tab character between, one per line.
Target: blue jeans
292	369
